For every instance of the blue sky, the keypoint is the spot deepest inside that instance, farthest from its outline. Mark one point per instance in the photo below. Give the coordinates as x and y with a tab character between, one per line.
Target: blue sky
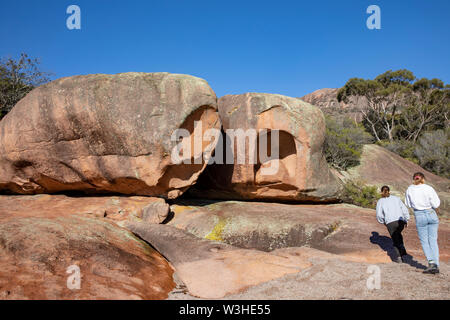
285	47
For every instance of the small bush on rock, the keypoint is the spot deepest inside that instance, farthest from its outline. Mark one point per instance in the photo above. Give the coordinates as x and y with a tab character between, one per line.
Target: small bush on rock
344	142
357	193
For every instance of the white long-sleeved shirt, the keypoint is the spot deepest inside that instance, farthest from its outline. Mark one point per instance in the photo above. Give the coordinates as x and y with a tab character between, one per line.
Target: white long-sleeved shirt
391	209
421	197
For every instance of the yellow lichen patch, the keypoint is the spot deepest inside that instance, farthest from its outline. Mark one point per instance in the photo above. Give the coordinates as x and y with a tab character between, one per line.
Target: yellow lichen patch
233	110
216	233
179	209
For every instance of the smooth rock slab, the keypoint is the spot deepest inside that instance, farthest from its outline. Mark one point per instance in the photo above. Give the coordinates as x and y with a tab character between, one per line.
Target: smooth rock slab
341	229
212	270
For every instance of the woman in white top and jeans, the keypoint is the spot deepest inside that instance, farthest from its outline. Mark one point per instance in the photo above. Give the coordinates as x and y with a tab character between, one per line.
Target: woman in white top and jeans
425	202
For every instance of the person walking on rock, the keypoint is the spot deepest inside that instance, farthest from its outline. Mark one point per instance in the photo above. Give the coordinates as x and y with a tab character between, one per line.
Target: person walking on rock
395	215
425	202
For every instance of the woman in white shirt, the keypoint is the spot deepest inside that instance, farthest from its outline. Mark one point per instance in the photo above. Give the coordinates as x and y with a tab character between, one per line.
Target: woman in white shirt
425	202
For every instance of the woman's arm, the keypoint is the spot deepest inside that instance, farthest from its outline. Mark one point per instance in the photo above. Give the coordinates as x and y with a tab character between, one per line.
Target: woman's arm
434	199
380	213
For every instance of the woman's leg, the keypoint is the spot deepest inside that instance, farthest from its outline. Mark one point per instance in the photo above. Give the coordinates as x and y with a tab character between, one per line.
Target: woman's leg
422	231
432	230
396	234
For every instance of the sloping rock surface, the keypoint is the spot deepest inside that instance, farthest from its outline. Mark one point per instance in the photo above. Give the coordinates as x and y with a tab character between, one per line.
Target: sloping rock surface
212	270
339	228
42	236
341	246
379	166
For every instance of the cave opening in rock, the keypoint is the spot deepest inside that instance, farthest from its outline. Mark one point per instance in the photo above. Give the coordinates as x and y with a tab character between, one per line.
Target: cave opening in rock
285	158
178	177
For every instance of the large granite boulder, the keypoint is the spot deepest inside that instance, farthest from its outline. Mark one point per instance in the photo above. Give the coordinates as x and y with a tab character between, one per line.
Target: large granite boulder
106	133
293	127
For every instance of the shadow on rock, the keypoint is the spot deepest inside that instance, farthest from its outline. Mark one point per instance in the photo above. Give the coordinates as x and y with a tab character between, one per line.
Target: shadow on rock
386	244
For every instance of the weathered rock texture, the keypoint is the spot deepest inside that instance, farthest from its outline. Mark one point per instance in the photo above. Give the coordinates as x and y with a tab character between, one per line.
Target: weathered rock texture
303	173
340	229
41	236
115	208
331	278
213	270
326	100
156	211
214	249
105	133
342	246
379	166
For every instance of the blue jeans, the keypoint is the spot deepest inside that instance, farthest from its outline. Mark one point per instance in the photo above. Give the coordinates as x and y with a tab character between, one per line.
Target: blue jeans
427	223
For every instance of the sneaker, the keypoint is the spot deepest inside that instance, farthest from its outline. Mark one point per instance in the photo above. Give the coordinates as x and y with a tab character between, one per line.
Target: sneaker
398	260
432	269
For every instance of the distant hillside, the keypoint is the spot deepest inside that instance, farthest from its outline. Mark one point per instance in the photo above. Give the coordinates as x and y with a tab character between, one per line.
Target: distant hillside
326	100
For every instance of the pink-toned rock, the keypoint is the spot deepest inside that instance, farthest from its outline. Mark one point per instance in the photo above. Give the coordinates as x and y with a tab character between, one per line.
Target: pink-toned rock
115	208
341	229
42	236
217	269
326	100
381	166
156	211
212	270
105	133
303	173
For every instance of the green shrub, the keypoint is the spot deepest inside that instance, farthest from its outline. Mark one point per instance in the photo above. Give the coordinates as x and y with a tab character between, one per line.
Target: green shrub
344	141
433	150
357	193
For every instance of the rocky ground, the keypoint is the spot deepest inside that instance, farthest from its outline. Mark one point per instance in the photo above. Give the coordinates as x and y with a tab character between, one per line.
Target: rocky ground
292	251
337	279
42	236
338	260
334	279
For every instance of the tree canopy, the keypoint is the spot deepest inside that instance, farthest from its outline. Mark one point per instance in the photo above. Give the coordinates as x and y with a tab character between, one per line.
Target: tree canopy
17	78
399	105
407	115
